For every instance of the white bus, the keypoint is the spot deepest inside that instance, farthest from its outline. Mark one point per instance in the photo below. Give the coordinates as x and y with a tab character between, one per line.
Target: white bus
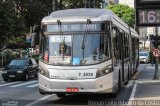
86	50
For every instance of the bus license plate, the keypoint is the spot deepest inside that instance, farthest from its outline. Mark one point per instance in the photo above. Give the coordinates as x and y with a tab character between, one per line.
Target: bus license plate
72	89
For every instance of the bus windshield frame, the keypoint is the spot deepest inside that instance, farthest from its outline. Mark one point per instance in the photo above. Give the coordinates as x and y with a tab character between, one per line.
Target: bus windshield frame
69	48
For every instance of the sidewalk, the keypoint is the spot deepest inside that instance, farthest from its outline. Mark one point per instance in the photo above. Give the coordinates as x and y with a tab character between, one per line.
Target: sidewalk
146	90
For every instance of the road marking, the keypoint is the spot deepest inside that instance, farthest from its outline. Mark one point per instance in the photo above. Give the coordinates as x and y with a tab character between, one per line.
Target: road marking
43	98
141	81
133	91
10	83
131	83
23	84
1	82
31	86
131	99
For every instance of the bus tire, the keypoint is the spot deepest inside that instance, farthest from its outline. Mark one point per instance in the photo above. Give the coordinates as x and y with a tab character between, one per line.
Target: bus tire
61	95
114	95
128	74
5	79
119	81
128	77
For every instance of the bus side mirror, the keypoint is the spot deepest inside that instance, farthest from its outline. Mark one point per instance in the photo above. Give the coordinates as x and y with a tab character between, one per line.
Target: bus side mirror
35	36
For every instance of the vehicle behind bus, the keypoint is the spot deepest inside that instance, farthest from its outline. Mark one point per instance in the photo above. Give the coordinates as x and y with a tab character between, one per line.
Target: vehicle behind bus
144	56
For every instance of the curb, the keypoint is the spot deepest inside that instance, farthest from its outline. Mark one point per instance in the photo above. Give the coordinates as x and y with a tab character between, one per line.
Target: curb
140	81
150	67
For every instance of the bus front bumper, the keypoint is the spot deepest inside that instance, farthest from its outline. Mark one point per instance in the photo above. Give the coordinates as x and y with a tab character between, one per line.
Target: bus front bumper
99	85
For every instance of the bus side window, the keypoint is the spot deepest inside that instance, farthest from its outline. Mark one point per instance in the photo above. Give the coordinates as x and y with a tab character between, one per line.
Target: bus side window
107	46
114	46
117	44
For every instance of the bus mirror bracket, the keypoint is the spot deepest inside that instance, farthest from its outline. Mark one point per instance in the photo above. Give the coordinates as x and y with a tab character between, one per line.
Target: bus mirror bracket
35	35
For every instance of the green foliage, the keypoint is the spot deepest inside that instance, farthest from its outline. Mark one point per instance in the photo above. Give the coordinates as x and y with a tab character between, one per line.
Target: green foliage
11	23
72	3
34	11
126	13
80	3
16	16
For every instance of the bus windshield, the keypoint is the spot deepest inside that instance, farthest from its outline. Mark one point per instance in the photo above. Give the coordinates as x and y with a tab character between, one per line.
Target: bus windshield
78	49
75	44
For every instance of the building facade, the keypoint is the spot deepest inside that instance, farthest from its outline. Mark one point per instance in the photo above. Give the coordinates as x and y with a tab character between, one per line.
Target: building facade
130	3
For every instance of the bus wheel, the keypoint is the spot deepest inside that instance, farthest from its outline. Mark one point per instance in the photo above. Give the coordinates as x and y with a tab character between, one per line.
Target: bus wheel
61	95
128	74
128	77
5	79
114	95
119	81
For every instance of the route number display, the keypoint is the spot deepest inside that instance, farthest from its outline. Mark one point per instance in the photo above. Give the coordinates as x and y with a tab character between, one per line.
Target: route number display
149	16
147	12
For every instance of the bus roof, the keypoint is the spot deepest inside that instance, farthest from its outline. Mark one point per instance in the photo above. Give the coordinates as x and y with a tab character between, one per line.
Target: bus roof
82	14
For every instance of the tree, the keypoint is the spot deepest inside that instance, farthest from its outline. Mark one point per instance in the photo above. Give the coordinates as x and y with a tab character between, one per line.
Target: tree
16	16
72	3
11	23
34	10
80	3
126	13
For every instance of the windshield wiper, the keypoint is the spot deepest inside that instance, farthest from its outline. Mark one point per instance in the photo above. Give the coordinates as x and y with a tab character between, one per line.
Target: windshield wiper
85	36
63	43
83	44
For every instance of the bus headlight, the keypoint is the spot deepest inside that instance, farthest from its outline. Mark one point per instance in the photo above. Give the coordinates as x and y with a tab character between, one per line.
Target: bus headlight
102	72
44	72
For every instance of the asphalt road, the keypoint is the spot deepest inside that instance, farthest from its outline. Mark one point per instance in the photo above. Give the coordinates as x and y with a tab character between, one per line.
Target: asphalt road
87	100
25	93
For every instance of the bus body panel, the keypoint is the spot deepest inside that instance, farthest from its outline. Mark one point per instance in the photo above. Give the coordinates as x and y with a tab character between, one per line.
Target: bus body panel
99	85
72	74
68	77
84	67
